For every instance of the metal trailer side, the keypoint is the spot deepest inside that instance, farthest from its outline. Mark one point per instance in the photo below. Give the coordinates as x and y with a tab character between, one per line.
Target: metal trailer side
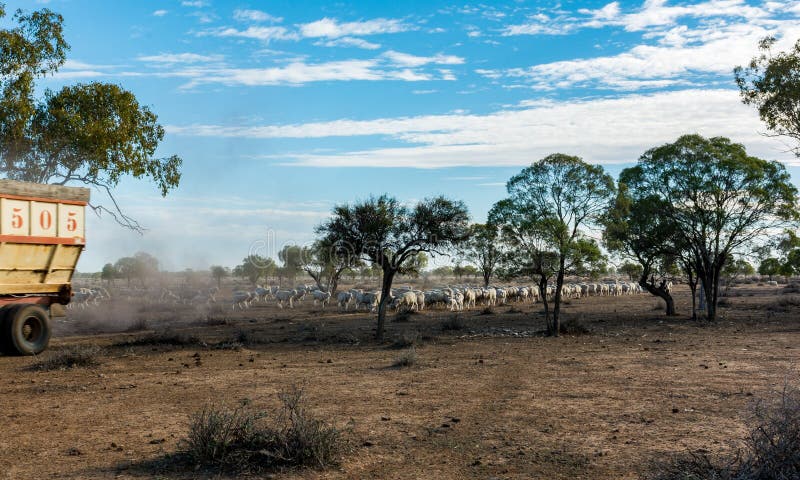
42	235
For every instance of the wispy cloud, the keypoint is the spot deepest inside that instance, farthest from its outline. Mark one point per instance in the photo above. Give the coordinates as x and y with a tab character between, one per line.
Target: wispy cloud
408	60
245	15
194	3
160	13
593	129
349	42
265	34
332	28
681	56
174	58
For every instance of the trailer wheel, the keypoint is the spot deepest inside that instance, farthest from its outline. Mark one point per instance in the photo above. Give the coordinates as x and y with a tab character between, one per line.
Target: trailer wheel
26	329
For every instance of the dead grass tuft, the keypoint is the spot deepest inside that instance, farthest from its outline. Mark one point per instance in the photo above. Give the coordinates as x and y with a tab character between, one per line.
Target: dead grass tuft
77	356
408	358
770	451
166	337
243	440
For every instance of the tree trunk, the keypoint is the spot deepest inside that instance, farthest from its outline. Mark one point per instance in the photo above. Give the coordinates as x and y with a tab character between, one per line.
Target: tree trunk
386	290
557	300
658	291
486	277
543	293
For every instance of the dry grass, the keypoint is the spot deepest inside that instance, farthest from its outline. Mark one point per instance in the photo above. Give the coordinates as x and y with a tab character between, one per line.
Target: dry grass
770	451
78	356
407	358
166	337
243	440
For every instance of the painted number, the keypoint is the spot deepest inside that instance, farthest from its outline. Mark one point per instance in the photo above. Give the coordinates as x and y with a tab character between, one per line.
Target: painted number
45	219
72	222
16	218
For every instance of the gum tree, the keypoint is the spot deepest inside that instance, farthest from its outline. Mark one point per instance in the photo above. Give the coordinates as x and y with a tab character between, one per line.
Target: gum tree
388	234
94	134
717	199
555	200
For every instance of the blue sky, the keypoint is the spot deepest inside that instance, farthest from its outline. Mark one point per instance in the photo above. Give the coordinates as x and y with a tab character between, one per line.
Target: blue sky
282	109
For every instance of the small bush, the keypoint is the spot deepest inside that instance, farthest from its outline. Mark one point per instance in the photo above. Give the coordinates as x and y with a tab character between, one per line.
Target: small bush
487	311
405	340
138	325
161	338
452	324
770	451
403	316
572	326
406	359
785	303
246	441
791	288
724	302
70	357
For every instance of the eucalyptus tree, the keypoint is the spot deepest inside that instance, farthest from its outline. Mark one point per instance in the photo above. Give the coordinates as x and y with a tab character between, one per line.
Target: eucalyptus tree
482	248
717	199
771	83
383	231
325	263
552	202
94	134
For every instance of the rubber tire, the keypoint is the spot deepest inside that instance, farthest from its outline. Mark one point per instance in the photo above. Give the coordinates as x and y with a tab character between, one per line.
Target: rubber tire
5	342
17	341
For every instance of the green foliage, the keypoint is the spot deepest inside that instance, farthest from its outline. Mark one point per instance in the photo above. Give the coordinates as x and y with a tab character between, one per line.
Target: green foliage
632	270
713	198
219	272
769	267
483	249
140	267
771	83
109	273
94	133
253	267
542	220
388	234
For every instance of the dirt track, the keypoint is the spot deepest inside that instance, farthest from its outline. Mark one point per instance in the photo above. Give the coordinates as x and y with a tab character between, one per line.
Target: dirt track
480	403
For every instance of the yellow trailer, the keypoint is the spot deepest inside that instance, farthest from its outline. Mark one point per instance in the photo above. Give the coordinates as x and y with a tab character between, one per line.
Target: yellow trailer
42	235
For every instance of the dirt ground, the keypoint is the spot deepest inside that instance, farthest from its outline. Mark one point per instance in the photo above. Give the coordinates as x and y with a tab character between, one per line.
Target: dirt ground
489	396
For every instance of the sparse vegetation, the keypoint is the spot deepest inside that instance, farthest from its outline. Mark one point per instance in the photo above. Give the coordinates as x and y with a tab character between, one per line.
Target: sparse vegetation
76	356
573	326
244	440
166	337
770	451
408	358
406	340
453	323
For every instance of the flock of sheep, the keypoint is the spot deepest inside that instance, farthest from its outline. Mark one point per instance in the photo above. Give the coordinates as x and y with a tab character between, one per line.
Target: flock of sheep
454	298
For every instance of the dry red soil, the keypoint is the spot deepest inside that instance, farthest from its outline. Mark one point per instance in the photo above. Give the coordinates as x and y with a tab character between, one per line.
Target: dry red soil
493	399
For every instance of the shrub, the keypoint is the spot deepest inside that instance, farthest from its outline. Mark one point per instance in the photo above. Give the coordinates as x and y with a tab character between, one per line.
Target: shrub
161	338
770	451
405	340
243	440
487	311
406	359
572	326
785	303
70	357
454	323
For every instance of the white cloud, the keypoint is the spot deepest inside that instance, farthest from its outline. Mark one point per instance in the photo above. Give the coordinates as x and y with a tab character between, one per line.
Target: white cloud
407	60
160	13
652	14
172	58
615	130
244	15
265	34
194	3
349	42
331	28
682	54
